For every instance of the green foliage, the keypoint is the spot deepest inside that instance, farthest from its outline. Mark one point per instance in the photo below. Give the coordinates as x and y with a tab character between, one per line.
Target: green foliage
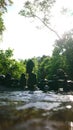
10	65
3	8
43	63
37	8
35	60
62	58
5	60
17	68
2	27
29	66
64	49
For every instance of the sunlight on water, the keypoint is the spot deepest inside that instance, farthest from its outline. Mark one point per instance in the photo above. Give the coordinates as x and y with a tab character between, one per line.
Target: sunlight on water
36	110
71	97
69	106
71	125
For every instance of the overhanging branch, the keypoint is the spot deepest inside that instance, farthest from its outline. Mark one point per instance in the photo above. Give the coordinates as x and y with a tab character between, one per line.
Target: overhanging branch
48	27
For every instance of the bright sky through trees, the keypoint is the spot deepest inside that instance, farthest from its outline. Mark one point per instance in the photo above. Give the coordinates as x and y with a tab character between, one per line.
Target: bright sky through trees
26	39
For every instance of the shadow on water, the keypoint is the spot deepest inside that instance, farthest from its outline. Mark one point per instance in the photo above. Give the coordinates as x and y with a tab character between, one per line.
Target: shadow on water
36	111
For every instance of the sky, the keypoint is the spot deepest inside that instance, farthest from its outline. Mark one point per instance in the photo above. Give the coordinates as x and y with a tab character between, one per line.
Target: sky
31	38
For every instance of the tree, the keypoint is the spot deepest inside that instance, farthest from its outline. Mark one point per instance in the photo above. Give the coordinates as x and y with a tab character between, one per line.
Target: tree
5	60
10	65
39	9
29	66
3	8
42	69
64	48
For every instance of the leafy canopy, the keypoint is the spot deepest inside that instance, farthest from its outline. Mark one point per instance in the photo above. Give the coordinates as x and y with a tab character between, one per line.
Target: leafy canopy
64	48
37	8
3	8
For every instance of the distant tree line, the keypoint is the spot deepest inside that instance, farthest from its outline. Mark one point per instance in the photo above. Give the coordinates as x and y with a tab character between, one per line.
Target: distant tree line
45	66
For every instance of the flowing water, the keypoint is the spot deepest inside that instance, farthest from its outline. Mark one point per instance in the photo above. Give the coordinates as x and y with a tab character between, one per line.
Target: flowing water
27	110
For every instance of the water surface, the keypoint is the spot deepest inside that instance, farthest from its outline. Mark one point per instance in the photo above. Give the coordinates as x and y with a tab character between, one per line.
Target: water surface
24	110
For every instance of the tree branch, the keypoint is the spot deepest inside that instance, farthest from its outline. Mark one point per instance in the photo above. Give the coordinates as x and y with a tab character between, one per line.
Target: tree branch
48	27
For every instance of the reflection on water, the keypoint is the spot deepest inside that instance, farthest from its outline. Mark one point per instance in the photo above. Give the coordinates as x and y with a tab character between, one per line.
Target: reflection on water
71	125
36	110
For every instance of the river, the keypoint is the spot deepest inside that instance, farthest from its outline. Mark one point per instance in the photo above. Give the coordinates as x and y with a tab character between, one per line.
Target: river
27	110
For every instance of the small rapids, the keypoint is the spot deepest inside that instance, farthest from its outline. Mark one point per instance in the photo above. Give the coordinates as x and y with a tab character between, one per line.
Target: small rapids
36	110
